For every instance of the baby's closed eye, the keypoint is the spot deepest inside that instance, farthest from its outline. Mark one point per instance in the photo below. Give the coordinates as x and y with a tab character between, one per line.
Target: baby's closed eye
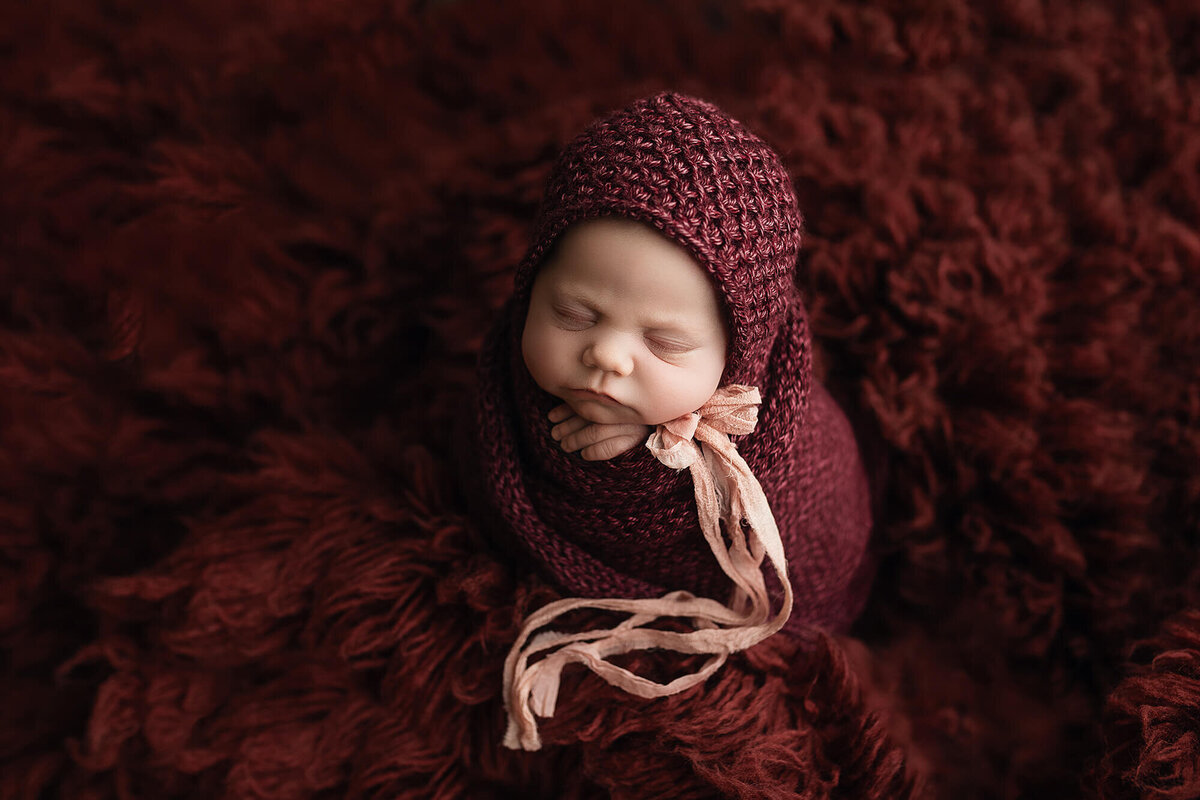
573	317
668	345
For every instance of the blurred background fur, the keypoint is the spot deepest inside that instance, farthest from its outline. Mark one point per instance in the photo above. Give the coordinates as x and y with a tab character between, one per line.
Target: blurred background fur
249	250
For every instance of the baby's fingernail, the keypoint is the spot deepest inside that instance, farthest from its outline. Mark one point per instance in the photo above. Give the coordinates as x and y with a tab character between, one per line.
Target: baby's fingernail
555	433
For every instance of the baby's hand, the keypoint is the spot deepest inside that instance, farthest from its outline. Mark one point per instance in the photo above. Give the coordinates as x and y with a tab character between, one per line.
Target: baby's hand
596	441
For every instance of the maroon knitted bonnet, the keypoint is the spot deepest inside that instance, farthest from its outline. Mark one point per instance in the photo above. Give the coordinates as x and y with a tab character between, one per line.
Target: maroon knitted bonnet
628	527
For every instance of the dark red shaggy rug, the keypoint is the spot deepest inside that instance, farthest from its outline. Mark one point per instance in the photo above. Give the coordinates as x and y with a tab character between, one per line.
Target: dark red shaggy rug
248	252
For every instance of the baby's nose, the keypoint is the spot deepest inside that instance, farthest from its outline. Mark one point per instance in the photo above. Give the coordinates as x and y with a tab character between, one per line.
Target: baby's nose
607	353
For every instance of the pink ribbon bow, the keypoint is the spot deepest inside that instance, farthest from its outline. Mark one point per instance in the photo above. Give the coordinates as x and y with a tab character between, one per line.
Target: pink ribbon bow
725	488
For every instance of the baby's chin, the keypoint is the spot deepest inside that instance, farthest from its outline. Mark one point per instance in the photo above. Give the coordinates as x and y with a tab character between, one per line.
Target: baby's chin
604	413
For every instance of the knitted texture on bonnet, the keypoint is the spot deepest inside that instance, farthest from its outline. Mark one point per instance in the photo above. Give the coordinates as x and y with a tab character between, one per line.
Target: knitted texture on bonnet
628	527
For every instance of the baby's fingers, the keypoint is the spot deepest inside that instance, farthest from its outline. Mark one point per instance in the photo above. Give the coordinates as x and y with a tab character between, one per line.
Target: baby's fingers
567	427
600	441
559	413
610	448
596	432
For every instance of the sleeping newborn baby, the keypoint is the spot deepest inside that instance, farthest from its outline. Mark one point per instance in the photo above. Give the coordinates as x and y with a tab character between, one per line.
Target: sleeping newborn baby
626	329
649	427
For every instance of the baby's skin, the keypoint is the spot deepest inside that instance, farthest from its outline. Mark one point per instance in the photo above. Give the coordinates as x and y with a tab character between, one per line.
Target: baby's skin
627	330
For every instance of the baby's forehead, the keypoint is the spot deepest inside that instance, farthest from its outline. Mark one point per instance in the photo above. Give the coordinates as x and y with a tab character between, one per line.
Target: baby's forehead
616	266
611	228
620	246
619	241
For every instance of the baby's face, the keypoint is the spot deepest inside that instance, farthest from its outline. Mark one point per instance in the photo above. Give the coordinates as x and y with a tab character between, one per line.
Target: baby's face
624	326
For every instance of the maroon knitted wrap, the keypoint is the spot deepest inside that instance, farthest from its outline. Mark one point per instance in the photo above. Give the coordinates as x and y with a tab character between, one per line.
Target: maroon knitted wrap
628	527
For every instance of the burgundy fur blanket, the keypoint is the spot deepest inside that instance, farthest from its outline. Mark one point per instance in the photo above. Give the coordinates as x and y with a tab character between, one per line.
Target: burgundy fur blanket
247	255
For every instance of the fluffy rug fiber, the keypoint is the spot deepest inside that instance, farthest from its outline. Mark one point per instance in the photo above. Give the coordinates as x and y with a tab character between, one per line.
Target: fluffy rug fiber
248	252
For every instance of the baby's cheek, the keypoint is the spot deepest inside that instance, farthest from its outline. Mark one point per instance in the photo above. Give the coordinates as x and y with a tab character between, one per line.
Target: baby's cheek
692	388
660	395
538	353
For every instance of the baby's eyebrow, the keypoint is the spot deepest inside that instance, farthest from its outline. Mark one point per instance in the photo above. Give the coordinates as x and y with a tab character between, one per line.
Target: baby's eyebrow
571	295
671	326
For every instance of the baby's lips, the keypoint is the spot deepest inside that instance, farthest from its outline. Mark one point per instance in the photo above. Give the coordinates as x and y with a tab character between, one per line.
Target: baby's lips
599	397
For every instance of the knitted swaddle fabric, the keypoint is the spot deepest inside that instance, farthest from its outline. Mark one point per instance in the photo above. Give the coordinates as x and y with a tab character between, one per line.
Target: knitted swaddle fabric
628	527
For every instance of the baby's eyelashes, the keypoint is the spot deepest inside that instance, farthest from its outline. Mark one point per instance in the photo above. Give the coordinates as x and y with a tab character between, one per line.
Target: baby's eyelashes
574	319
669	347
